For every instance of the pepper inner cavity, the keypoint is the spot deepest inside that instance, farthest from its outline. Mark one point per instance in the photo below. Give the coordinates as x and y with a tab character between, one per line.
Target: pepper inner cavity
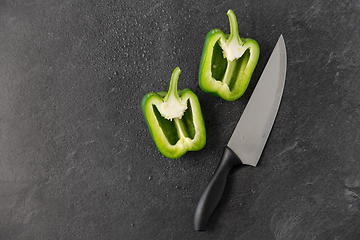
168	127
218	63
238	70
176	129
187	122
226	71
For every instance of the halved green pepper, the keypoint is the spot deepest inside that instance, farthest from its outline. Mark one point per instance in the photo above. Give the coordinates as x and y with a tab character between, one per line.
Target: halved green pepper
175	119
227	62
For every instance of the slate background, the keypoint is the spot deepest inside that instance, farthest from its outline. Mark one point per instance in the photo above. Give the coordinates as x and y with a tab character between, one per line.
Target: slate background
77	160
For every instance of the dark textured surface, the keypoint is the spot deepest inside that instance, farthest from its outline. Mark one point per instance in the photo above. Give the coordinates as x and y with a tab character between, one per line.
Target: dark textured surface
77	160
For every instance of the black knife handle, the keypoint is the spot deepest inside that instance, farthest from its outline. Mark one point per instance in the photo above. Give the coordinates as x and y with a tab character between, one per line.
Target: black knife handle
215	189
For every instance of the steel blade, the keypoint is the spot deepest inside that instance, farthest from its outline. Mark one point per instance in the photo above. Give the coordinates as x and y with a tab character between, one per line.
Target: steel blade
254	126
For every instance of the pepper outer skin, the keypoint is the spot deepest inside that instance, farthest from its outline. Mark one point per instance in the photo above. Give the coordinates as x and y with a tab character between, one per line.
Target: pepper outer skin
220	76
175	137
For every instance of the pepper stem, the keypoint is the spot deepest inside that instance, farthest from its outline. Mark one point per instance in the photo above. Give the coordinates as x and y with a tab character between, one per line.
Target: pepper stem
172	106
234	31
232	47
173	85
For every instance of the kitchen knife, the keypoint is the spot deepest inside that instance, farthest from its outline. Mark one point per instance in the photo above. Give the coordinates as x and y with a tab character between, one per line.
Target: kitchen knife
250	135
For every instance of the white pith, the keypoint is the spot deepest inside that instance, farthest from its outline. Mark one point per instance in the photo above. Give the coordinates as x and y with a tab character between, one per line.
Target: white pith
172	108
232	50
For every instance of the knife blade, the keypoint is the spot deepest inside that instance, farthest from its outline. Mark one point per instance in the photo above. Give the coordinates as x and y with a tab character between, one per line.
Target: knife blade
251	133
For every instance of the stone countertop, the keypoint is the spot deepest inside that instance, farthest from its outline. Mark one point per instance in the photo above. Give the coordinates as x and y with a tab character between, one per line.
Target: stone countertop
78	162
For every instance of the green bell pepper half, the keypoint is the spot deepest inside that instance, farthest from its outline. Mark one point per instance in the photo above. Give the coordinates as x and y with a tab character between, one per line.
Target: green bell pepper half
227	62
175	119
